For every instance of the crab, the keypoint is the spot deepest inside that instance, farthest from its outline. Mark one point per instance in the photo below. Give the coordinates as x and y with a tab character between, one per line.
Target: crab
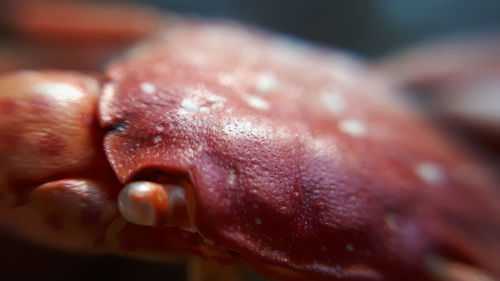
218	141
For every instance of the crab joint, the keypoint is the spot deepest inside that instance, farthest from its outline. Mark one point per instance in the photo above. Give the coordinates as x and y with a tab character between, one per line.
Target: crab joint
153	204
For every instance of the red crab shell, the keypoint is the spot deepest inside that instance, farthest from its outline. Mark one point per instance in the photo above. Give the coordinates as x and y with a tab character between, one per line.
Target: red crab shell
297	157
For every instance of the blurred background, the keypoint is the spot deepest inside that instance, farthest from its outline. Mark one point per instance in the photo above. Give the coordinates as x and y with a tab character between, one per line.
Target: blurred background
367	28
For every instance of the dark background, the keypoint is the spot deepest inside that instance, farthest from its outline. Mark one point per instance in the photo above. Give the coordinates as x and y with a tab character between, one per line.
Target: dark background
367	28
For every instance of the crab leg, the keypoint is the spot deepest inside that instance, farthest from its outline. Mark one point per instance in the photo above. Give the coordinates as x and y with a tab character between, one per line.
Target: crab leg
47	126
68	214
81	22
456	79
75	35
49	146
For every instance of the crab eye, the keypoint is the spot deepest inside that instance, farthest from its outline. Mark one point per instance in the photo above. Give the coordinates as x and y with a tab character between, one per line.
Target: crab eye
153	204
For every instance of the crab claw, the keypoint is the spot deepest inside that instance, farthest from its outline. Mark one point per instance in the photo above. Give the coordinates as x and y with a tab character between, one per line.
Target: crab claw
46	129
56	186
49	148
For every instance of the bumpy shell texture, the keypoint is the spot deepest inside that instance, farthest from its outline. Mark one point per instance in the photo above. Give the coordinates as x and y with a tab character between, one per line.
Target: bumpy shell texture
298	157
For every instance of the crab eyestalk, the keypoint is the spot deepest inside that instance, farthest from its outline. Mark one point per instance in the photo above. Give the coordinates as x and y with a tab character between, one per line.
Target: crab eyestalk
153	204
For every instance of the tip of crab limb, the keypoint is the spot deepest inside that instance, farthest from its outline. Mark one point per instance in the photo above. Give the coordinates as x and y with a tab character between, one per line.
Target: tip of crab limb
449	270
153	204
71	213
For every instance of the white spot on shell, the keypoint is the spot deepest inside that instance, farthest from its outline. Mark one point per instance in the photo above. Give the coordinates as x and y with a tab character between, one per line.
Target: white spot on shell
349	247
258	220
160	128
352	127
266	82
157	139
430	172
231	178
333	101
257	102
189	106
148	88
244	129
